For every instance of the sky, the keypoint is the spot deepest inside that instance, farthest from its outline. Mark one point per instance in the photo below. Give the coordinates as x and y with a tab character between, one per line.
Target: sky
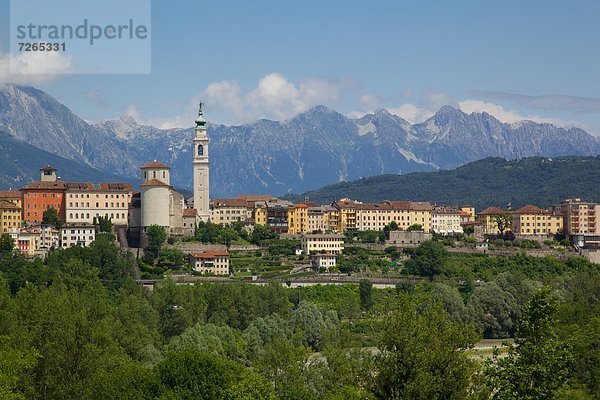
248	60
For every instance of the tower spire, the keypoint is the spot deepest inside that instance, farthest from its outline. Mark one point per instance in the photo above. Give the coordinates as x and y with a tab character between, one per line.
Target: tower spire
200	121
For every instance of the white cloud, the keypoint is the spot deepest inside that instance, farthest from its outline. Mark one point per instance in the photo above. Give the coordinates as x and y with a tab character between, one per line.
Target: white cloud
511	116
275	97
33	67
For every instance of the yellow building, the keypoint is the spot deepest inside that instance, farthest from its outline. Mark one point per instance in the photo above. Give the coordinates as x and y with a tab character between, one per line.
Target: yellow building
10	216
259	213
13	196
468	213
346	214
487	219
407	213
331	218
373	217
532	220
297	218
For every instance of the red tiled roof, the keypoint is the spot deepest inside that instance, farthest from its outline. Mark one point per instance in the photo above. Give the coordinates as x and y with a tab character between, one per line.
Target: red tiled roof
230	203
530	209
258	197
155	164
99	187
345	204
10	194
190	212
7	205
153	182
301	205
492	211
411	205
373	206
39	185
210	254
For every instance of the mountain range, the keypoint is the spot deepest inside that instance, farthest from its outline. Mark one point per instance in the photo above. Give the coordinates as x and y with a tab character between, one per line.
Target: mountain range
313	149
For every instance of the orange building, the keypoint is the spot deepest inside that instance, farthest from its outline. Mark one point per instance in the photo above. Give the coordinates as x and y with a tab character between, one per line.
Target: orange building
37	197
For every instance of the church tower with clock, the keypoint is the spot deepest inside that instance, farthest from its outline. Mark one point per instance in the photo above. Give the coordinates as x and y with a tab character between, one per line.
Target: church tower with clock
201	168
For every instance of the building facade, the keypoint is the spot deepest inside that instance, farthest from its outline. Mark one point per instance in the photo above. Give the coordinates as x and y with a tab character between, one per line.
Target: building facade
446	221
579	216
10	216
77	235
227	211
87	201
297	216
41	195
210	262
322	261
331	243
532	220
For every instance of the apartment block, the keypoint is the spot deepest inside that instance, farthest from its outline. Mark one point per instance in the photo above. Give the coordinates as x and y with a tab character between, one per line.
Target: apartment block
86	201
533	220
81	234
487	219
446	221
331	243
579	216
10	216
228	211
210	262
298	219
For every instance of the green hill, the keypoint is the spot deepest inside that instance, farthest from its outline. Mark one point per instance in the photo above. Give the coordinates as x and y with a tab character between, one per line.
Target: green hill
487	182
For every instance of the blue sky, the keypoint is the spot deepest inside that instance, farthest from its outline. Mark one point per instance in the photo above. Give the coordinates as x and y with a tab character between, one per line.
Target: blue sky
254	59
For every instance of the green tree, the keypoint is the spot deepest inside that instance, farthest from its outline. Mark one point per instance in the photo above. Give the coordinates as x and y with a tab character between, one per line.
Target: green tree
194	375
104	224
309	321
415	227
156	238
504	222
537	366
422	354
429	259
7	244
51	217
365	291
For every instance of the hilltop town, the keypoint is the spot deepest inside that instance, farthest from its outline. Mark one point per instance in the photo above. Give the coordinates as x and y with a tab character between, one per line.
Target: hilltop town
51	214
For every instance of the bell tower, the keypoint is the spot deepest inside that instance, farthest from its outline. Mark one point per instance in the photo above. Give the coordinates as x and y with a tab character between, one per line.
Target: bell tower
201	168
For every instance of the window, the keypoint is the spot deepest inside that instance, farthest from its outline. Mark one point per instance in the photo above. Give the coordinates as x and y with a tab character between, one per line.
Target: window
200	150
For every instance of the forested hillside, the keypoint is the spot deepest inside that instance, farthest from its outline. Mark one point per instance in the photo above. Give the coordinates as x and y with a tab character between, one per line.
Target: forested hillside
75	326
484	183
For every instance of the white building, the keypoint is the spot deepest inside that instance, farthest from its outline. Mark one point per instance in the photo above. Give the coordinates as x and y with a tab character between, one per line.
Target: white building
446	221
210	262
85	201
323	261
77	235
201	168
332	243
155	196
